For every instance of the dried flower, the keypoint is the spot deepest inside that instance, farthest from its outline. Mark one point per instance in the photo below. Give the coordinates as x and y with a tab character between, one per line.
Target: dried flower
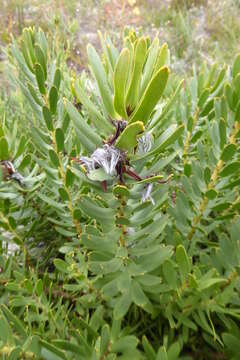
9	172
147	194
106	158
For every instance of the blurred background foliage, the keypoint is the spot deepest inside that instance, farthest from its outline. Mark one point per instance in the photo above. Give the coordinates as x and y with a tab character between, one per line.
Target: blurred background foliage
196	30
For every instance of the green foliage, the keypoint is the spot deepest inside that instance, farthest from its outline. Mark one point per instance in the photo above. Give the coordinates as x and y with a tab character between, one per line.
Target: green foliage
127	228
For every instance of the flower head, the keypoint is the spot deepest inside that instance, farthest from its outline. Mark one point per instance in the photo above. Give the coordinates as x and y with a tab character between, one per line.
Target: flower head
9	171
147	194
106	158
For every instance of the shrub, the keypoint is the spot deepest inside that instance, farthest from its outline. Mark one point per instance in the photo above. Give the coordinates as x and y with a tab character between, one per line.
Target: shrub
120	188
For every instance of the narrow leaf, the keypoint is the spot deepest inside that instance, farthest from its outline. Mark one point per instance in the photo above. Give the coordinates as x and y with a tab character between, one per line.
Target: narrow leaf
120	82
48	118
40	78
101	79
59	135
151	96
138	62
53	99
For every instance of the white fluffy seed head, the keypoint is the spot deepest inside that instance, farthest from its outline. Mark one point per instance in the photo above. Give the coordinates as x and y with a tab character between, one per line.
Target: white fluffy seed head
147	194
106	158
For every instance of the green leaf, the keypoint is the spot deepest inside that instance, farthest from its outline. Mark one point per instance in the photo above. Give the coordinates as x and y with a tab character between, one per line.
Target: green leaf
61	265
39	287
228	152
29	43
21	63
230	340
165	111
121	190
122	305
182	261
102	214
236	66
53	99
128	138
148	349
69	346
229	95
151	179
124	344
43	42
26	55
40	58
57	78
192	281
59	135
105	339
77	214
208	107
16	323
101	79
64	194
4	154
162	354
207	175
150	63
34	92
53	349
12	222
25	162
69	178
140	298
174	351
222	132
155	259
21	146
120	82
40	78
89	139
170	274
48	118
237	114
54	158
230	169
151	96
203	98
219	80
138	62
206	283
187	169
15	353
211	194
100	121
99	175
5	329
162	57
